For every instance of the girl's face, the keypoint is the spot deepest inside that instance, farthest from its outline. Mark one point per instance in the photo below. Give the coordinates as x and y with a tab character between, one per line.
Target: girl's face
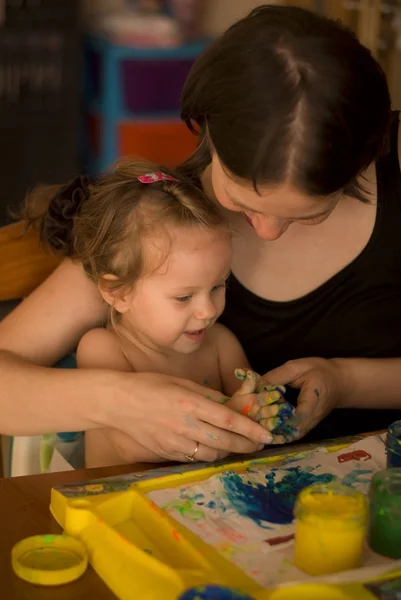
173	306
271	211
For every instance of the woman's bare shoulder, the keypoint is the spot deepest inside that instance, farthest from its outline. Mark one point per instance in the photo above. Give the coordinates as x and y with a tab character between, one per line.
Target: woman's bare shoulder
50	322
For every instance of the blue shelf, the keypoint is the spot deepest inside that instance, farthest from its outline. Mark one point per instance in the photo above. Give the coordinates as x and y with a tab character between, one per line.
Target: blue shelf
119	52
109	105
96	107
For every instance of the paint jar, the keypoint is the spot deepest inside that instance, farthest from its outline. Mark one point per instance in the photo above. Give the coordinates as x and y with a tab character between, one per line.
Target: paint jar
384	532
393	445
213	592
330	528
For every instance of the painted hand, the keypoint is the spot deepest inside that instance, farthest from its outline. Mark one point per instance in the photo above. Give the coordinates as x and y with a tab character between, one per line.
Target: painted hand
169	416
320	384
265	404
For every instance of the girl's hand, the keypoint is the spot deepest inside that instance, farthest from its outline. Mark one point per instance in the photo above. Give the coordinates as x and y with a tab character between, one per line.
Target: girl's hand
264	403
321	388
171	416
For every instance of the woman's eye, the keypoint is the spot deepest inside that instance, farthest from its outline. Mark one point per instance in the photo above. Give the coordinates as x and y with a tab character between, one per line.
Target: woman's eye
316	220
319	219
218	287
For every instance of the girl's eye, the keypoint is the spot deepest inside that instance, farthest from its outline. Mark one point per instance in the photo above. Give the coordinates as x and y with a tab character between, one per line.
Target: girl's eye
183	299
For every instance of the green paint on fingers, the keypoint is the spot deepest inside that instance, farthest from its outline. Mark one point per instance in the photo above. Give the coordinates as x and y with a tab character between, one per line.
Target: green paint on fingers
221	400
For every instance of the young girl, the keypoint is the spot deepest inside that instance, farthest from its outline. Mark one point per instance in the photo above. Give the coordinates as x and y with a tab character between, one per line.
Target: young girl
160	253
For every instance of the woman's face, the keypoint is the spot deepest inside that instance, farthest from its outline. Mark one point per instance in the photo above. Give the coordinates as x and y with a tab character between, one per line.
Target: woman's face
274	208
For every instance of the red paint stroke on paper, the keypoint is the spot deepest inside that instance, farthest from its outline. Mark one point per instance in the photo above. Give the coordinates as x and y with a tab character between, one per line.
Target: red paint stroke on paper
355	455
280	540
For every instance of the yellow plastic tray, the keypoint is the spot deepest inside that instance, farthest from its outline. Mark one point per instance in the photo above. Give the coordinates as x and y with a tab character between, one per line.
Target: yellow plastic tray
142	553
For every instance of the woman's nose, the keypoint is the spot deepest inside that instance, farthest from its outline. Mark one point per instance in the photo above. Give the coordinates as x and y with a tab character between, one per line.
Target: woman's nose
269	228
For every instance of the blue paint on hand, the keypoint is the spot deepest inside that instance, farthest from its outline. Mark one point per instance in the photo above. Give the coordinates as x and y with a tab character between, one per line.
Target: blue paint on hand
273	502
285	421
286	411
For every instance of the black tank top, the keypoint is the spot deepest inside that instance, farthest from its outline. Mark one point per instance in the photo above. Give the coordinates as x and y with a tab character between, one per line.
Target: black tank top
356	313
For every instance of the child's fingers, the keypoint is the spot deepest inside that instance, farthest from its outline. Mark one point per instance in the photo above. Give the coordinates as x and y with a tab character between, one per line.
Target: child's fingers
280	419
265	413
268	398
278	425
263	386
270	423
285	439
249	381
278	439
284	435
282	411
247	406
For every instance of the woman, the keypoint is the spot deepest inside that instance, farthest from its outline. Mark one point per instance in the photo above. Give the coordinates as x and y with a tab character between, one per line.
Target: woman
309	171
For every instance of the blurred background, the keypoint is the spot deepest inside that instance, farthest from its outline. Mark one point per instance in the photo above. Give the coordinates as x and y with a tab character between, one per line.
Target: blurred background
83	82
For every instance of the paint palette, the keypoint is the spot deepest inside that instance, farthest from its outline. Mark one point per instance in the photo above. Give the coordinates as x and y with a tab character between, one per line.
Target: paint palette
154	535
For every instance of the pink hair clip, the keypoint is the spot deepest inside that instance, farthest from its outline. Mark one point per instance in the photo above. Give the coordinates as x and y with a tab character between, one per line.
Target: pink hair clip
156	176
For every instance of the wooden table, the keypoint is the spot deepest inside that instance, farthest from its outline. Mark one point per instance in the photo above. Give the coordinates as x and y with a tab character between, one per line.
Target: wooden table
24	506
24	511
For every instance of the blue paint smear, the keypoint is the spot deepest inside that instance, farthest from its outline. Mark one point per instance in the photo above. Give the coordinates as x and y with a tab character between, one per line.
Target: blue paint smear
356	477
199	499
273	502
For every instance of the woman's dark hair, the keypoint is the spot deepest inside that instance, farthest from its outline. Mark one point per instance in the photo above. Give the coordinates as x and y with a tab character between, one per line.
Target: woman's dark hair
286	95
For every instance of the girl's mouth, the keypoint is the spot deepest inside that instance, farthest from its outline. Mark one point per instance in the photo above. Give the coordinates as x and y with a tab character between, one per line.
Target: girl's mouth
196	336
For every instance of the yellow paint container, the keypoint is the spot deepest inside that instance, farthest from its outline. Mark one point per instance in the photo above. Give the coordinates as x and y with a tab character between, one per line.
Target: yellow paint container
330	528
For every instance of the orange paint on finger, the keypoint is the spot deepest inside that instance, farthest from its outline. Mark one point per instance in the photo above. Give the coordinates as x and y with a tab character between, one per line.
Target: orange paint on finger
246	409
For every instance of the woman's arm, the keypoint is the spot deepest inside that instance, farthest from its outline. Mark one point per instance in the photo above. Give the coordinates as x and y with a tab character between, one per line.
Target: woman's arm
41	330
369	383
50	322
100	349
339	383
152	409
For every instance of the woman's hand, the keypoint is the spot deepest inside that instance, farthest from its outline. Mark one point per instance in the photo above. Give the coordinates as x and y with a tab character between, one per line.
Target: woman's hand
321	388
171	416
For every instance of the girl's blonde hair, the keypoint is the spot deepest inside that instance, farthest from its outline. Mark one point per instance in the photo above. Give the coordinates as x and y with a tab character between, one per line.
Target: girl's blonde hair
102	222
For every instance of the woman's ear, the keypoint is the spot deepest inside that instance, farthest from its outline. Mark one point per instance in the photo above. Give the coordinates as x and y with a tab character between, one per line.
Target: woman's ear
116	298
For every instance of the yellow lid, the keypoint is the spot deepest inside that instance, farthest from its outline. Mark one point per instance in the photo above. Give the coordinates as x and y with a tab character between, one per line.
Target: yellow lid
49	559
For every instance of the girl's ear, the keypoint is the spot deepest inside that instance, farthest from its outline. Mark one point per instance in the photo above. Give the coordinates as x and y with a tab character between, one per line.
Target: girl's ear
116	298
